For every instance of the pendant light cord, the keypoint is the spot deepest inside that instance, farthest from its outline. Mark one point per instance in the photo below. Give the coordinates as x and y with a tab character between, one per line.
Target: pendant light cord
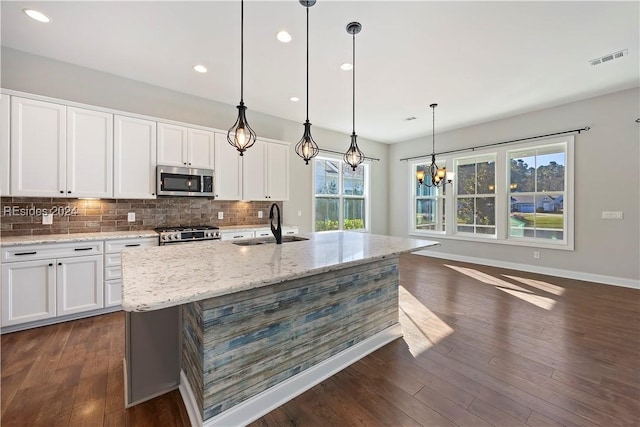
307	63
241	51
354	83
433	131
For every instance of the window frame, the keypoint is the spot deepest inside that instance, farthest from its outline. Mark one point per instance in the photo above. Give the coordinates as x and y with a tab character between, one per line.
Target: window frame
502	205
341	197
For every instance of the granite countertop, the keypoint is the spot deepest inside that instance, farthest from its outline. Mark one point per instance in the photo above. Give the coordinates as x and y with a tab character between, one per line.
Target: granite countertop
74	237
165	276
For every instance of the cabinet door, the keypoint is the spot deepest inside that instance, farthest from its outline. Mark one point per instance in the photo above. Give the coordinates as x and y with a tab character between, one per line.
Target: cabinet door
227	170
254	176
172	145
134	158
89	153
28	291
4	144
38	141
112	292
201	149
278	171
79	284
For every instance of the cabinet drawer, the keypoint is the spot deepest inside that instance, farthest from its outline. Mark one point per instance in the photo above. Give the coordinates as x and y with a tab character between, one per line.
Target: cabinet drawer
116	246
53	250
111	273
112	260
263	233
232	235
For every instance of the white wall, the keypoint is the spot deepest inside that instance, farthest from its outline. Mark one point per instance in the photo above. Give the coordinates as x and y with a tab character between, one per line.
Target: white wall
606	179
42	76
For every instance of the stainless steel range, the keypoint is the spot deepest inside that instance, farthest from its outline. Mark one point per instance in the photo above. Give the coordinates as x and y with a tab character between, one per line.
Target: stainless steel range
189	233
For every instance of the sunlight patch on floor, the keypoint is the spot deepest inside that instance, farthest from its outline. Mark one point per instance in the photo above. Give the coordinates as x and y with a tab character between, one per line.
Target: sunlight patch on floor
537	300
543	286
526	295
422	329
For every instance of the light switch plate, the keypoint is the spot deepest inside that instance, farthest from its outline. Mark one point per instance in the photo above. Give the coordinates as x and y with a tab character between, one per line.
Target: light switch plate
131	217
220	215
47	219
612	215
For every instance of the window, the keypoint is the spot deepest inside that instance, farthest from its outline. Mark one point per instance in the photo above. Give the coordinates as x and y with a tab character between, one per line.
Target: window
516	194
475	195
429	207
536	192
340	195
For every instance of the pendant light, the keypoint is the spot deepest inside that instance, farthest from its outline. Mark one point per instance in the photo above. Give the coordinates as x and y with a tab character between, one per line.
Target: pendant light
307	147
437	176
240	135
353	157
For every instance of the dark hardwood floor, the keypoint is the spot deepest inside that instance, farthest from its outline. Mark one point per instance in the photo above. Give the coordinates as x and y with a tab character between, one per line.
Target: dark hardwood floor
482	346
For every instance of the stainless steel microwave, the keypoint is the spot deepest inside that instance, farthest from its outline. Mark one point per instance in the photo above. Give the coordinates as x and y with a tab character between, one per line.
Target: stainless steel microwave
177	181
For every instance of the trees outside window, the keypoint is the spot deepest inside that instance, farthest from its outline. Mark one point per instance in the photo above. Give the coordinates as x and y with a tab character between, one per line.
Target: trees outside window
340	196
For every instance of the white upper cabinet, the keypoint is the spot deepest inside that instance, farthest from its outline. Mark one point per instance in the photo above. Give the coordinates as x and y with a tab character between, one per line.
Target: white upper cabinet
134	158
227	170
186	147
265	172
59	151
89	153
5	162
38	148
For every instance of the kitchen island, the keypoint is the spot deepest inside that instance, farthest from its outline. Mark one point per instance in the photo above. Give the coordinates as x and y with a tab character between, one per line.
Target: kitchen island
258	325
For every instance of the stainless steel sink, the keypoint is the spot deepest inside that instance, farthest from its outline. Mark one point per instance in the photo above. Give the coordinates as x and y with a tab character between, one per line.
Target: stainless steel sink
269	240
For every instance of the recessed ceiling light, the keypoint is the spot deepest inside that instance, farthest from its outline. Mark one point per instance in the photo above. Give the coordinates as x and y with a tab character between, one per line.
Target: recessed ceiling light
200	68
346	66
283	36
294	99
38	16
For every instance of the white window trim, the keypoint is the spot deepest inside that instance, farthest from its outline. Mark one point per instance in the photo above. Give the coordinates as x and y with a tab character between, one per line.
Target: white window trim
502	206
340	196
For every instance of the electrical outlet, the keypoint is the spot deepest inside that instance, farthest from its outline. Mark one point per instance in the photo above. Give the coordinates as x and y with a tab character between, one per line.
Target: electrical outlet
259	214
299	213
220	215
47	219
612	215
536	254
131	217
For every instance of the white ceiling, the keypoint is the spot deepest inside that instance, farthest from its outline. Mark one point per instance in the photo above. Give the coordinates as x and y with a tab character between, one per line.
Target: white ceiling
479	61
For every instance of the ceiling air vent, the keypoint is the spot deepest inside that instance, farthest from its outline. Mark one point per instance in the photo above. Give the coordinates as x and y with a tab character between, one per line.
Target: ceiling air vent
609	57
408	119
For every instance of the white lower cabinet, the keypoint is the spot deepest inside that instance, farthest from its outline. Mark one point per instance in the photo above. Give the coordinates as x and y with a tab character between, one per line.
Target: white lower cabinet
50	280
235	235
79	284
113	266
28	291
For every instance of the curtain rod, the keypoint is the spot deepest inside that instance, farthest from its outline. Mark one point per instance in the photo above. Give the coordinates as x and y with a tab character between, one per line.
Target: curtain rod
586	129
338	152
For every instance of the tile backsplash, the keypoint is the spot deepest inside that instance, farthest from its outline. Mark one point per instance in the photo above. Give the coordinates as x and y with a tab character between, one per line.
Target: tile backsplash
21	216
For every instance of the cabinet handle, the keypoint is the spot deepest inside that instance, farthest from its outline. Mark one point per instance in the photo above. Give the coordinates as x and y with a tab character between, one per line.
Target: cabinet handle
132	245
185	163
153	194
61	192
82	249
59	263
237	237
69	192
26	253
50	264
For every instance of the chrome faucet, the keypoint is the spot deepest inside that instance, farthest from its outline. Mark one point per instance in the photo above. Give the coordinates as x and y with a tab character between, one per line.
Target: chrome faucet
277	231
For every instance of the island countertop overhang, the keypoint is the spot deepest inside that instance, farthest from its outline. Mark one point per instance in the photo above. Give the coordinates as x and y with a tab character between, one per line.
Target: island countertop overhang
171	275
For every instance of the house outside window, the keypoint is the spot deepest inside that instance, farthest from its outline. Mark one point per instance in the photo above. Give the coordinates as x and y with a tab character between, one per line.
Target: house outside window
340	196
517	194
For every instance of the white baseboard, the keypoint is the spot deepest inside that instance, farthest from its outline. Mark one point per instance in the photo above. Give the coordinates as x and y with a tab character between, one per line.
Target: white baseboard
569	274
251	409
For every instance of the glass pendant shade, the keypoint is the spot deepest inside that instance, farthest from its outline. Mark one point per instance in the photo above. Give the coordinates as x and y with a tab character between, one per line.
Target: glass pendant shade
307	147
354	157
240	135
420	176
